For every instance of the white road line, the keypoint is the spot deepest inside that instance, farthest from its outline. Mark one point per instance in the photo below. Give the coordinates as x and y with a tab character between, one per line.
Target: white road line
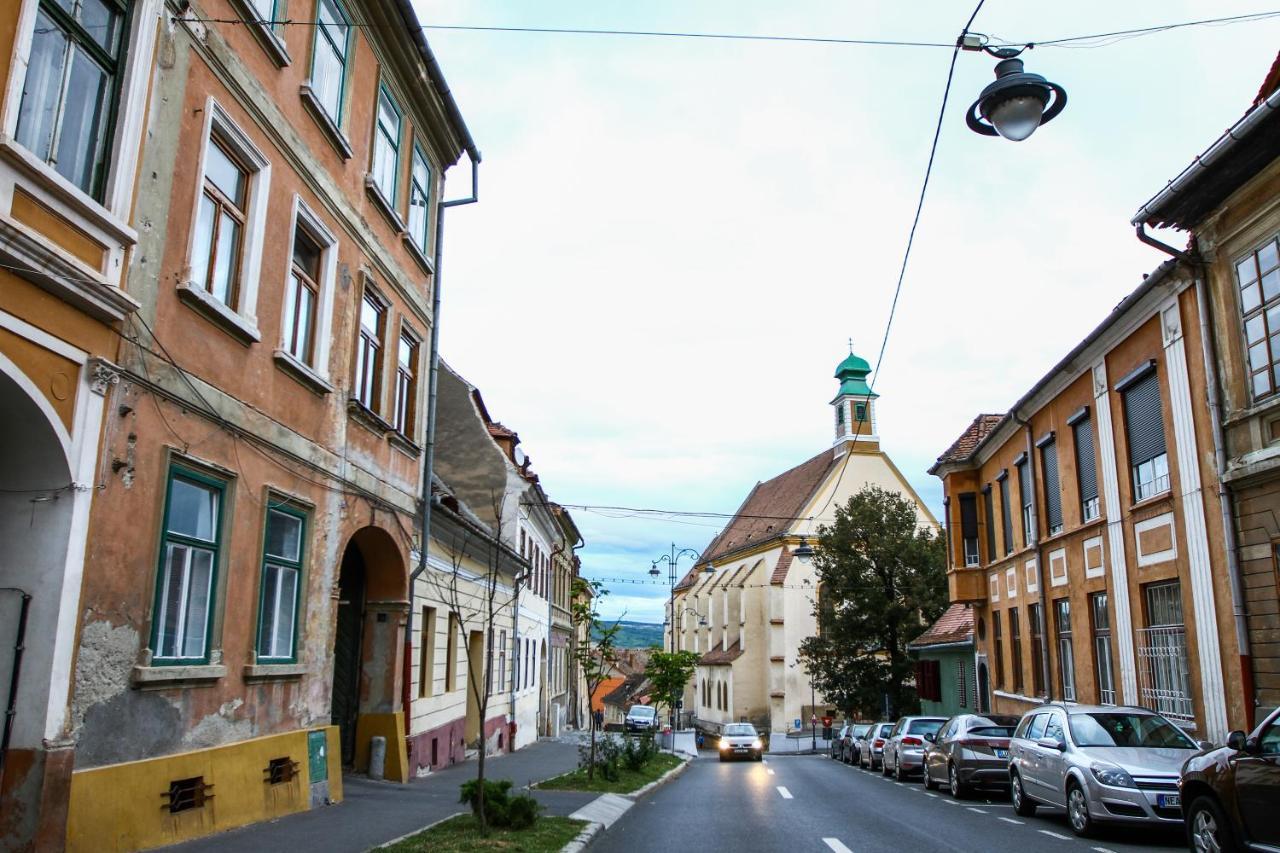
1058	835
1018	823
770	772
1104	850
979	811
834	844
786	795
931	794
951	802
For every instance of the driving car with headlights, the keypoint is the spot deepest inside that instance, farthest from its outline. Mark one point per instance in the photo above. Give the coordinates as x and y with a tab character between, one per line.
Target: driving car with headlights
1102	763
740	740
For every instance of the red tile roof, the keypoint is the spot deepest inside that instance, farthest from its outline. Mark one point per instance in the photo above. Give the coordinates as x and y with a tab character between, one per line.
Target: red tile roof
721	656
780	570
1270	83
955	625
969	440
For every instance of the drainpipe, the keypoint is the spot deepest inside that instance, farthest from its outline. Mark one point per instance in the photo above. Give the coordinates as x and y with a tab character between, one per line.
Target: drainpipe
429	451
19	645
1035	543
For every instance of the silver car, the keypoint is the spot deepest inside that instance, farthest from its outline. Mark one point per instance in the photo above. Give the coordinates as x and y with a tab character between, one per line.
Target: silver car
904	748
871	747
1101	763
741	740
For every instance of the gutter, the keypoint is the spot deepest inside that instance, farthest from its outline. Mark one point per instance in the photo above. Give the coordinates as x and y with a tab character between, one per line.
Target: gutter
1215	152
436	74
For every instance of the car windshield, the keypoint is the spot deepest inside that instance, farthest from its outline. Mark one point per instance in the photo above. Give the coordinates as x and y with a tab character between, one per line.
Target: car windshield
859	731
992	731
642	711
885	729
924	727
740	730
1121	729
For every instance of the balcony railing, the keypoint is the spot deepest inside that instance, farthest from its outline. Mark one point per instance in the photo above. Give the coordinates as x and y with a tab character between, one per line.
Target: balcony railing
1164	679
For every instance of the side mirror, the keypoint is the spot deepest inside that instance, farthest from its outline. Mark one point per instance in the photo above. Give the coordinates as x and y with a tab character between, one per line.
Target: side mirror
1236	740
1052	743
1252	746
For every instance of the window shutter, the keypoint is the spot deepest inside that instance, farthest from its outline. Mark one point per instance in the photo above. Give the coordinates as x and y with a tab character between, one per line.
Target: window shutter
1086	467
1052	491
1143	425
989	518
969	515
1006	519
1024	484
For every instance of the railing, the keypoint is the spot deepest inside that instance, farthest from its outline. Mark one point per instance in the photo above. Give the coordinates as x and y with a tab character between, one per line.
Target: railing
1163	675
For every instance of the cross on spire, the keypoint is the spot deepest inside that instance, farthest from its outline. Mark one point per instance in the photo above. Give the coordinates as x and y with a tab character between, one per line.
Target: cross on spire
850	346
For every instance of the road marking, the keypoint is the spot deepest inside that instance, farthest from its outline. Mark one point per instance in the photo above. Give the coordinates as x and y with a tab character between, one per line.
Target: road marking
786	795
1104	850
834	844
931	794
979	811
769	771
1058	835
1018	823
951	802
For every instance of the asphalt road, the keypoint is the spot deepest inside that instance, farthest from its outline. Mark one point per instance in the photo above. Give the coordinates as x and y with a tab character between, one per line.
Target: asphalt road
811	803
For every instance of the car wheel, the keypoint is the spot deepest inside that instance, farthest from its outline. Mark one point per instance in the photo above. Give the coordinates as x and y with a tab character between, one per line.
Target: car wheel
958	790
1078	811
884	764
898	772
926	778
1207	828
1023	806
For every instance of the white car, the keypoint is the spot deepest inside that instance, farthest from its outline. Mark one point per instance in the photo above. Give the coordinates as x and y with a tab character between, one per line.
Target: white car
740	740
642	718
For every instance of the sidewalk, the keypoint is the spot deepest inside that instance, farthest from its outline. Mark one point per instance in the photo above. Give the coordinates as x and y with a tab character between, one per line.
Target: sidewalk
373	813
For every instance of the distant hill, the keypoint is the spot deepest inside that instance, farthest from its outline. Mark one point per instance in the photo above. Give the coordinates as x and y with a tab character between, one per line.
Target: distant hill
638	635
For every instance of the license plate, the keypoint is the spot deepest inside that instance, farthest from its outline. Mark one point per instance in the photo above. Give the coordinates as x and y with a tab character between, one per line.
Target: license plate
1002	753
739	749
1168	800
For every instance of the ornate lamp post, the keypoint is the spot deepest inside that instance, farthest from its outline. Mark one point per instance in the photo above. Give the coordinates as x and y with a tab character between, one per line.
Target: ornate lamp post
672	560
1017	102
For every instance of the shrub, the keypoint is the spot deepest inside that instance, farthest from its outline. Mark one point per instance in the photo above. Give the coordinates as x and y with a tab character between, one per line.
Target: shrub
501	810
637	752
522	812
608	754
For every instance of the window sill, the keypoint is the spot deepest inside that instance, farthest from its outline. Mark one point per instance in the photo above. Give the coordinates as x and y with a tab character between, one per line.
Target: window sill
1258	408
302	373
331	130
418	253
404	444
240	328
274	670
35	258
271	42
144	676
367	418
384	206
1155	500
41	173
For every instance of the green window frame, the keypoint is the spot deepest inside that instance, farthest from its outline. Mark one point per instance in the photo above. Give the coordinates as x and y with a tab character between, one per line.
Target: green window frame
187	572
388	125
333	36
280	582
420	198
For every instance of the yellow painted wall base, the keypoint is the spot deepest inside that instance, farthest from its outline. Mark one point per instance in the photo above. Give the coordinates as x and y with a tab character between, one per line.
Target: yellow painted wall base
391	727
122	807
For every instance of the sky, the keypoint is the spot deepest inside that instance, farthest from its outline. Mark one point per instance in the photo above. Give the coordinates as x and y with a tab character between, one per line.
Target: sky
676	238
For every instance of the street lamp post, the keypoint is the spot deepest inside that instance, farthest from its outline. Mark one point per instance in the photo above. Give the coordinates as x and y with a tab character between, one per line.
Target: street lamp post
672	560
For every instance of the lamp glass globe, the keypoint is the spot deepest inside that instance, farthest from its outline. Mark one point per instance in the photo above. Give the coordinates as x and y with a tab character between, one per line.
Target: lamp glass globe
1018	117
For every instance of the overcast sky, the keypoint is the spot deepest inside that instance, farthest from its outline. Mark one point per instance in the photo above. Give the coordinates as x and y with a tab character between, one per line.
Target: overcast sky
676	237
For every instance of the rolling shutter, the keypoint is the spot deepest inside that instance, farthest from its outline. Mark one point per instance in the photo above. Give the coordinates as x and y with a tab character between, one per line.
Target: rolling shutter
1143	425
989	518
1006	520
1052	491
1086	467
969	515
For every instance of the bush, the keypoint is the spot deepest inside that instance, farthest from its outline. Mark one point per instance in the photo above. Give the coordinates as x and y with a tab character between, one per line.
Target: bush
501	810
608	754
638	751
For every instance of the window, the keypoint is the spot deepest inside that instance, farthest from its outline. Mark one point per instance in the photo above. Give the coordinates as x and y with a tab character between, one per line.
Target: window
220	225
1066	656
1148	461
502	660
1028	500
969	528
329	57
997	645
373	318
419	199
1164	675
1086	468
1006	521
451	654
859	411
1102	648
929	680
301	297
1258	277
840	415
427	653
386	146
962	683
406	384
189	546
989	520
67	111
1035	620
1015	645
1052	488
282	551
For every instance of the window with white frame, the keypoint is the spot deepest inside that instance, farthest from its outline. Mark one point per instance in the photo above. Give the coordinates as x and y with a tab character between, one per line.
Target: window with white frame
68	108
406	383
368	378
282	550
1144	427
1258	277
302	297
386	146
330	57
220	225
419	199
191	539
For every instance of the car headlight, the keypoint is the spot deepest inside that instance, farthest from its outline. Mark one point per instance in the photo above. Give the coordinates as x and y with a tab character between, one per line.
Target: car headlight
757	744
1109	774
724	744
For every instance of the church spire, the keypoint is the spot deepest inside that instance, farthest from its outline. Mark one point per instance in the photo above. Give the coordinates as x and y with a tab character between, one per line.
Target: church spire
854	404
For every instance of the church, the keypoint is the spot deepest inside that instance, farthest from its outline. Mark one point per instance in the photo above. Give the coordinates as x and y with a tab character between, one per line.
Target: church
748	602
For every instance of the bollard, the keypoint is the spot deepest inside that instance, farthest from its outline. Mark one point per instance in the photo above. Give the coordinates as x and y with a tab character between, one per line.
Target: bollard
377	757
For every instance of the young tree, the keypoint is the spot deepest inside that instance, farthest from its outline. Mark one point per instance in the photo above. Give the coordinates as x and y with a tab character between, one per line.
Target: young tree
669	672
596	653
881	582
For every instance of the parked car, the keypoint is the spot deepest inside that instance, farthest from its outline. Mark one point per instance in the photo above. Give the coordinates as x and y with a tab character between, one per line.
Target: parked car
904	748
740	740
642	718
837	740
871	753
968	751
852	742
1101	763
1231	796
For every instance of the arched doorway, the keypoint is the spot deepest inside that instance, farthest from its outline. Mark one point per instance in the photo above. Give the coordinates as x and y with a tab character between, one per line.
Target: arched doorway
368	648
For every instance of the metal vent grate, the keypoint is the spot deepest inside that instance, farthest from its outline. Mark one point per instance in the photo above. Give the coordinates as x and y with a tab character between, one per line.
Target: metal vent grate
280	771
186	794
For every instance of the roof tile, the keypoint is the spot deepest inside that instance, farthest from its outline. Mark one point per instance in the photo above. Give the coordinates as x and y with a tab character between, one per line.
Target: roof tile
955	625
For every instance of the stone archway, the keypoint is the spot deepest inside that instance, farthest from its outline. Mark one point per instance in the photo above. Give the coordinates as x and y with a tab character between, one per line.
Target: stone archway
368	649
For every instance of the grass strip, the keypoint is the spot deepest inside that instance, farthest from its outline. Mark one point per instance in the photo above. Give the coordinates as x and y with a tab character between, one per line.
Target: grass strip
628	780
461	834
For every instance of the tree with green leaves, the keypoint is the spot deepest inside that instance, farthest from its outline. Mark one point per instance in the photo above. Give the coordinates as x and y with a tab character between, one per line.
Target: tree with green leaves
596	652
669	673
881	583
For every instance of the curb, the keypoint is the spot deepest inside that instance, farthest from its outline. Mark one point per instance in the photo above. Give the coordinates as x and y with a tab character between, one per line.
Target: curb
416	831
594	830
685	761
584	839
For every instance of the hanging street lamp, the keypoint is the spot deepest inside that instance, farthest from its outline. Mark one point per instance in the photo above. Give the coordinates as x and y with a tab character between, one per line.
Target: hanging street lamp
1017	102
803	551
